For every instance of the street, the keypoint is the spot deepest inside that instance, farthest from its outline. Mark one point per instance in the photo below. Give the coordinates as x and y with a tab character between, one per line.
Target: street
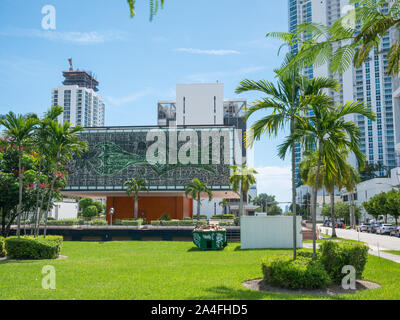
377	243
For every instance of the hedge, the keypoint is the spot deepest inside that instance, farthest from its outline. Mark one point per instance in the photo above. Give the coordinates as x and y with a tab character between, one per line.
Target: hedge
2	247
335	255
303	273
176	223
66	222
129	222
223	216
28	247
98	222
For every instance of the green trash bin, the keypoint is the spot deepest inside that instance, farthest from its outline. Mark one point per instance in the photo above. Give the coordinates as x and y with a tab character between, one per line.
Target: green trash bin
210	240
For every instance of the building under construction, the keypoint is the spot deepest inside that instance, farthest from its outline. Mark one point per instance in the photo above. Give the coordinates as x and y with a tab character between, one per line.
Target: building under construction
81	78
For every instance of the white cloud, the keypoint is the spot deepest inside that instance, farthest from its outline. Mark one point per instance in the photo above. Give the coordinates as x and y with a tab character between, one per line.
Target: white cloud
216	52
218	75
275	181
119	101
78	37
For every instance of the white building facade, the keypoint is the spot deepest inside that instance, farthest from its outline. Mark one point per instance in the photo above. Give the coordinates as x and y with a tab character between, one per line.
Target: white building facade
204	104
368	83
82	106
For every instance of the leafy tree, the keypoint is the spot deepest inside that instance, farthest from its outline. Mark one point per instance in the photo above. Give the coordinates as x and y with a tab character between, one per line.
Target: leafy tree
134	187
85	202
18	130
393	204
99	206
90	212
195	189
241	180
370	208
264	201
275	210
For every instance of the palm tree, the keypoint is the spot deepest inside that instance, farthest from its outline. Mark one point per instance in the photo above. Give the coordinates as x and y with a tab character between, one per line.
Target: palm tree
19	130
287	103
326	131
350	179
64	144
41	140
345	45
134	187
154	5
224	203
241	180
195	189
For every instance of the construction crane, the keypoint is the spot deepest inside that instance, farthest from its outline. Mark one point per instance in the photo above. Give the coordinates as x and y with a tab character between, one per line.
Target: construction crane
70	65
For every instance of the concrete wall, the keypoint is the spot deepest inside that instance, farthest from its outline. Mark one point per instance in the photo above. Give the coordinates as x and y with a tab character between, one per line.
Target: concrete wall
269	232
64	210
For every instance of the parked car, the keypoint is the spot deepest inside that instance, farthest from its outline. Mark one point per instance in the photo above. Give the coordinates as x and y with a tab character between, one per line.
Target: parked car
327	223
395	232
363	227
372	227
384	228
339	224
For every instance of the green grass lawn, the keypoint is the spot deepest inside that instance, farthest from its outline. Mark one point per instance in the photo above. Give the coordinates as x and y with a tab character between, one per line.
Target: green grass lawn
163	270
396	252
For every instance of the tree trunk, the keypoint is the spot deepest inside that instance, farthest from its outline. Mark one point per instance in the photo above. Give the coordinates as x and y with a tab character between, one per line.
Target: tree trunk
315	202
51	194
38	208
352	215
20	194
136	207
198	207
294	206
241	201
333	214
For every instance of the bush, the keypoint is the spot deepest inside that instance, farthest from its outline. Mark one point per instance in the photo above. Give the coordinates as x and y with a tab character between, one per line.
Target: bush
303	273
165	216
202	217
99	206
223	216
169	223
28	247
335	255
187	222
2	247
66	222
85	202
98	222
155	222
90	212
132	222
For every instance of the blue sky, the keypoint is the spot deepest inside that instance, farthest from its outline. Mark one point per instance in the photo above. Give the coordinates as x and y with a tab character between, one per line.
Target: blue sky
139	62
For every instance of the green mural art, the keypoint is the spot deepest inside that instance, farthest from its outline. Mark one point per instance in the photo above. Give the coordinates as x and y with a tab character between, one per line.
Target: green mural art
115	157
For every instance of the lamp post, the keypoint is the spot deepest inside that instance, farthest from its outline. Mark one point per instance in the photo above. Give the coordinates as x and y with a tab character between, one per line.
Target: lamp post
111	215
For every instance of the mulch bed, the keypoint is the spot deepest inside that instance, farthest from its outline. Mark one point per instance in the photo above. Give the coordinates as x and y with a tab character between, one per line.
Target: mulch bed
332	290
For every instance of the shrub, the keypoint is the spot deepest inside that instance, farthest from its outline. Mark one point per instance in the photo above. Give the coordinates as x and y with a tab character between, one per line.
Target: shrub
28	247
335	255
2	247
90	212
132	222
303	273
170	223
85	202
165	216
99	206
66	222
98	222
187	222
155	222
223	216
